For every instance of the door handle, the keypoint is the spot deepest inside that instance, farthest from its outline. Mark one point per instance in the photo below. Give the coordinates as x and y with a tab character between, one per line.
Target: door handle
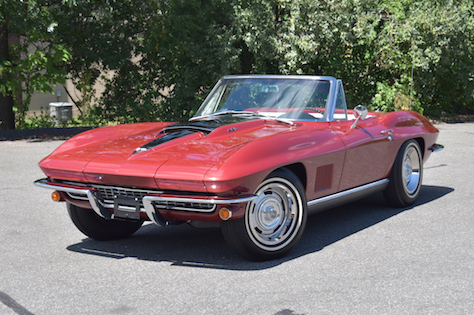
387	133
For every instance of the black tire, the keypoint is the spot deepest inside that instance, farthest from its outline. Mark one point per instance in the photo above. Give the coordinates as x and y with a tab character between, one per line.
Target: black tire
273	223
98	228
406	176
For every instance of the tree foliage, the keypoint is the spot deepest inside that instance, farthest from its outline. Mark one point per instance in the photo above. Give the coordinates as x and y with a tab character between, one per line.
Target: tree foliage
30	60
159	58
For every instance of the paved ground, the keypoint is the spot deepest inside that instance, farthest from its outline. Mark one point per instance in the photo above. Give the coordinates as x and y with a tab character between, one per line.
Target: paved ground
364	258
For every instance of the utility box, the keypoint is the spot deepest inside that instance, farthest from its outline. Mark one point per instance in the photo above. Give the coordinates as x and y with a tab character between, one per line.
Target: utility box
60	111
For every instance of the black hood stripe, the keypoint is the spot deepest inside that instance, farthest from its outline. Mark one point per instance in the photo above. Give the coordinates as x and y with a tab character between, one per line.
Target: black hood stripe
179	130
165	138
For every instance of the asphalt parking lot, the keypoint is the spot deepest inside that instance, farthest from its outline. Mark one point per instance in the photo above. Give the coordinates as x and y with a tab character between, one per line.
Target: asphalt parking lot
363	258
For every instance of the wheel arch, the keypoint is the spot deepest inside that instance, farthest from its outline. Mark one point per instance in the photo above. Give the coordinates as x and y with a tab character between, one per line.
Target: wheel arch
275	221
299	170
404	186
421	143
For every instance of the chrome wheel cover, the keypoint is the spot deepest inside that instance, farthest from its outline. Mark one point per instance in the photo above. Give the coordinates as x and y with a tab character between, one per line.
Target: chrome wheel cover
411	170
275	217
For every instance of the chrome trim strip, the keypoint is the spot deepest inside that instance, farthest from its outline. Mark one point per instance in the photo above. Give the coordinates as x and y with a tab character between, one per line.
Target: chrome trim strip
147	191
348	195
77	196
101	208
278	76
95	204
196	200
184	208
156	218
150	211
330	103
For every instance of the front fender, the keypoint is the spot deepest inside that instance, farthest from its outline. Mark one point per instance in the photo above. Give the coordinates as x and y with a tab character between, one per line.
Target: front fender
250	163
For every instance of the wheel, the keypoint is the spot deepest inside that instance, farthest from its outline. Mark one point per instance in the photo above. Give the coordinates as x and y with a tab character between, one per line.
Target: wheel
274	222
92	225
406	176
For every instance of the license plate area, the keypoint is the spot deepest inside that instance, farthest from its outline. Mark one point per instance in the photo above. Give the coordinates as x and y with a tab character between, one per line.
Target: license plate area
126	208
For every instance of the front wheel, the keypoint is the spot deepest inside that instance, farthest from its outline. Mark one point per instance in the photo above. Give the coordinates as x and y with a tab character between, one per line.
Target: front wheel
274	222
92	225
406	176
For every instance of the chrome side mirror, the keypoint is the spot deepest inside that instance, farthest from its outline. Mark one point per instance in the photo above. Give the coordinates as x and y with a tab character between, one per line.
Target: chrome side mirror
360	112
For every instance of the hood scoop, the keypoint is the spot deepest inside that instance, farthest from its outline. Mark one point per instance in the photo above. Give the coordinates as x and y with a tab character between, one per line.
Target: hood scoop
179	130
165	138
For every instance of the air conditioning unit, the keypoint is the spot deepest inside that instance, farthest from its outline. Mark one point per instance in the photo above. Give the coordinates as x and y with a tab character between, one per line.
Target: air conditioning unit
60	111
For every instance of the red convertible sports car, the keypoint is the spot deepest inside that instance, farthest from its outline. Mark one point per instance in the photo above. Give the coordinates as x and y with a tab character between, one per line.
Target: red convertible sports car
261	153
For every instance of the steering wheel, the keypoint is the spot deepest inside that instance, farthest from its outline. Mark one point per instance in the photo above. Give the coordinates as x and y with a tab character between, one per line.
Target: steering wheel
316	110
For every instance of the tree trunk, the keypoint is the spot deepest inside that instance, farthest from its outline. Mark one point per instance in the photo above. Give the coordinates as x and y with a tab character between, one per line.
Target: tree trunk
7	118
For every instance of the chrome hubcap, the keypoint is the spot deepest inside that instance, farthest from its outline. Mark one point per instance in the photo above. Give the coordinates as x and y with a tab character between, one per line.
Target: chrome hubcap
411	170
275	217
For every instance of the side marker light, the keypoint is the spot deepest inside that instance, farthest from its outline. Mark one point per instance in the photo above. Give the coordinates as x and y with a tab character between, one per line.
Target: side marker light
225	214
55	196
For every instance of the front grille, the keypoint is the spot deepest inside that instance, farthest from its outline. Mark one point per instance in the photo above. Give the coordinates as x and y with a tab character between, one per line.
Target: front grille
77	196
110	193
107	195
189	206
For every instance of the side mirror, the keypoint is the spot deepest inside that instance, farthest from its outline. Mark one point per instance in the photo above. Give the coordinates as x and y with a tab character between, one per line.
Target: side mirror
360	112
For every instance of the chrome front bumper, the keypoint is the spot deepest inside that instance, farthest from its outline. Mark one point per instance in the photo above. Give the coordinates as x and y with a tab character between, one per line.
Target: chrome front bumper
98	207
436	147
151	201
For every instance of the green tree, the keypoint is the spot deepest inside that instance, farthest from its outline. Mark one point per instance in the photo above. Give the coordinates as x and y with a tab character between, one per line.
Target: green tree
391	54
180	54
159	58
103	36
29	61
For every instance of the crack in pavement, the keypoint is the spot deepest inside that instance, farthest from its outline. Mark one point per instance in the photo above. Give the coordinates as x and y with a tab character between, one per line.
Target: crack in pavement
13	305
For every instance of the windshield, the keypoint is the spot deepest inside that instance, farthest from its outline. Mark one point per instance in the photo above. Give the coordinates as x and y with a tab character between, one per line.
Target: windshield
292	98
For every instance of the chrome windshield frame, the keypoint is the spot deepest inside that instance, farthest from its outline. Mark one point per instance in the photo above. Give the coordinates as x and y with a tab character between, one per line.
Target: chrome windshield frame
330	107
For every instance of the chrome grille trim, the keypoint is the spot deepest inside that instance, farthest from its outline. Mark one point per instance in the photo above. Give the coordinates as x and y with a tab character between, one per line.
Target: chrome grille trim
186	206
110	193
151	200
151	203
77	196
106	195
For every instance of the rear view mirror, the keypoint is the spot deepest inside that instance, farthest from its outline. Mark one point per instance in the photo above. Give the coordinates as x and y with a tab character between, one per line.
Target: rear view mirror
360	112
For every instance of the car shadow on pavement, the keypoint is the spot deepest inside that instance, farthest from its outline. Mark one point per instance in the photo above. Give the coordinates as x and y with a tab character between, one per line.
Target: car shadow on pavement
184	245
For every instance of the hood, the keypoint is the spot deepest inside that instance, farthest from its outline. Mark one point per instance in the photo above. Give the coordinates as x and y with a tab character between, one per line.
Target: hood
155	155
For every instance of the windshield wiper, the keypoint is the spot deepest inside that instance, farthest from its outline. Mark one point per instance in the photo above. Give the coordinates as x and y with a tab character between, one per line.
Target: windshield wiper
283	120
236	113
245	113
231	113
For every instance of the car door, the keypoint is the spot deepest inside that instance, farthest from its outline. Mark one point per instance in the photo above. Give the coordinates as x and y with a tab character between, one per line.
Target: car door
369	154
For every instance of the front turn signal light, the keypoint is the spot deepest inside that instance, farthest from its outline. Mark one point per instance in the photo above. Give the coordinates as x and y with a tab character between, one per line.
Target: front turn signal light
225	214
56	196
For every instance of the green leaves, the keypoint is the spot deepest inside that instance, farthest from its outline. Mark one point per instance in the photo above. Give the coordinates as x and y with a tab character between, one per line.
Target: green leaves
30	61
158	58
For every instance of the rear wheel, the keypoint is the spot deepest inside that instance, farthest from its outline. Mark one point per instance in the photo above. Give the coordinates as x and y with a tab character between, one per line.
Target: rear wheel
98	228
406	176
274	222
